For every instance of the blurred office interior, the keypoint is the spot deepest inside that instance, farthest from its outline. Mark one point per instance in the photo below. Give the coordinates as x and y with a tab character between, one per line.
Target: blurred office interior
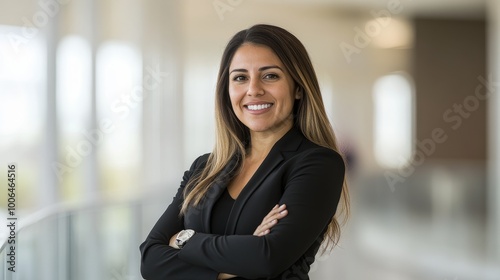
104	104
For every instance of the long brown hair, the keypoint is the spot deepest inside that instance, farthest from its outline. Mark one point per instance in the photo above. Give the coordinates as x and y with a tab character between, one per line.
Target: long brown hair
232	135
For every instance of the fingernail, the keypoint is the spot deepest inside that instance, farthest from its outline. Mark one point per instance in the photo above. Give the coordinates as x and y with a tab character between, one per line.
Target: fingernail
282	212
282	206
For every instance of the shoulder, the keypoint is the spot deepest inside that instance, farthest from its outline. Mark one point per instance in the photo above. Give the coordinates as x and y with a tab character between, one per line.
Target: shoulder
295	147
197	166
309	153
200	162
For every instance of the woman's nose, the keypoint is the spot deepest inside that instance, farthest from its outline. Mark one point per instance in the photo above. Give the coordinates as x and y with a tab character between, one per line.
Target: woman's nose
255	88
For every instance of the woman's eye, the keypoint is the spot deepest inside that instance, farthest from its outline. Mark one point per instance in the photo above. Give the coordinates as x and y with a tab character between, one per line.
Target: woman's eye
271	76
239	78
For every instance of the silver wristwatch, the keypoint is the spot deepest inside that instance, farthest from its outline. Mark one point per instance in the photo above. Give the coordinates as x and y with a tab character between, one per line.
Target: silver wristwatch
183	237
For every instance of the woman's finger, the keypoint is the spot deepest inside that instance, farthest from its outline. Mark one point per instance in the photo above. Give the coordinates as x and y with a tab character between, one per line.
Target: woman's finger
271	220
275	213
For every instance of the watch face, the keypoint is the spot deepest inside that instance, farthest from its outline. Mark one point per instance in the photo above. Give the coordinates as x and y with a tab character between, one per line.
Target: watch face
185	234
183	237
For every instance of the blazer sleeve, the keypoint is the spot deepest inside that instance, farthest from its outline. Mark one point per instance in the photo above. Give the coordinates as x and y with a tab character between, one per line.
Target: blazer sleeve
158	259
312	191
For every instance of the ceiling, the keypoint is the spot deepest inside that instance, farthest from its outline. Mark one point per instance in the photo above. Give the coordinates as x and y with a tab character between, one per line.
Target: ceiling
442	8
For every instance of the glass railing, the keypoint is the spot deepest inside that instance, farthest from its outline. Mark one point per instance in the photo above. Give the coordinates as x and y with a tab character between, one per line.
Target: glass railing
95	241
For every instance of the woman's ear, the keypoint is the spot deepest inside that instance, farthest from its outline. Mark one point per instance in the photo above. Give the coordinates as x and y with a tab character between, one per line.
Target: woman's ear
298	93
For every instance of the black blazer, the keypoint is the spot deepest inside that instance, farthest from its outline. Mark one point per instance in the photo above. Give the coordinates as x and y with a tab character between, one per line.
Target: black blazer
304	176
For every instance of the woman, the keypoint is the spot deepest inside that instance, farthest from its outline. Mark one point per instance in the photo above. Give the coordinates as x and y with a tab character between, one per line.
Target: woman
261	204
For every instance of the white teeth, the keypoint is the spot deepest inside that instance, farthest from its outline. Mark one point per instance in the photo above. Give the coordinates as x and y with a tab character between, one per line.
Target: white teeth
258	107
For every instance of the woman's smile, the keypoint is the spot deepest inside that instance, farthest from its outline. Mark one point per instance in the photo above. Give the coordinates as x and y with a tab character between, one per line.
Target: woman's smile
258	108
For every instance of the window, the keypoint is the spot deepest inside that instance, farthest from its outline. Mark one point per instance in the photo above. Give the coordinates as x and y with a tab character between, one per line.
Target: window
393	121
22	109
73	103
119	113
73	86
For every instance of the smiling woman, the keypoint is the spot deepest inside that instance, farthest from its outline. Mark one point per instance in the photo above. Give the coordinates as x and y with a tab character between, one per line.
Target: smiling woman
262	203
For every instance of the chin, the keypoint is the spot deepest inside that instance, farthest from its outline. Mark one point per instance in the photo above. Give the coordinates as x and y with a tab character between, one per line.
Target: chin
258	129
257	126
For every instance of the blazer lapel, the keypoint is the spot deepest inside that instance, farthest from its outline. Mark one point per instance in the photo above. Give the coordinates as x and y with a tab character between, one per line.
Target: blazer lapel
289	142
215	192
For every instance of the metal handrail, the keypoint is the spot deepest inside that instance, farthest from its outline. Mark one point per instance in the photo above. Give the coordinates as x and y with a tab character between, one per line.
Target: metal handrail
66	211
36	217
62	208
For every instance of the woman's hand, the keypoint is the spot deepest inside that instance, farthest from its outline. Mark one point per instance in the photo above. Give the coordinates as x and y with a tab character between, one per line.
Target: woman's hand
271	219
225	276
172	242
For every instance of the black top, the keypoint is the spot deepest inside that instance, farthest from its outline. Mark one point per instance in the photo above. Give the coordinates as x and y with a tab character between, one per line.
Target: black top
220	213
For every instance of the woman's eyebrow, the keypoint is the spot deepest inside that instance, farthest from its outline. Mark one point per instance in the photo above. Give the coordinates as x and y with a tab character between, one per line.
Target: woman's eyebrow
263	68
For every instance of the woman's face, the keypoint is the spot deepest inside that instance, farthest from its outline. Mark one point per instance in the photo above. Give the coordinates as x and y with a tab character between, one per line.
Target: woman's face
262	92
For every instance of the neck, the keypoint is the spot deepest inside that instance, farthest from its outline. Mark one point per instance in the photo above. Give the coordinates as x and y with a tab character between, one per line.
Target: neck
262	143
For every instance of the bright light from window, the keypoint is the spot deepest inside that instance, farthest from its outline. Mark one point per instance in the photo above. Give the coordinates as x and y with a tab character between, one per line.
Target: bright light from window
73	85
23	99
119	102
393	127
22	90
